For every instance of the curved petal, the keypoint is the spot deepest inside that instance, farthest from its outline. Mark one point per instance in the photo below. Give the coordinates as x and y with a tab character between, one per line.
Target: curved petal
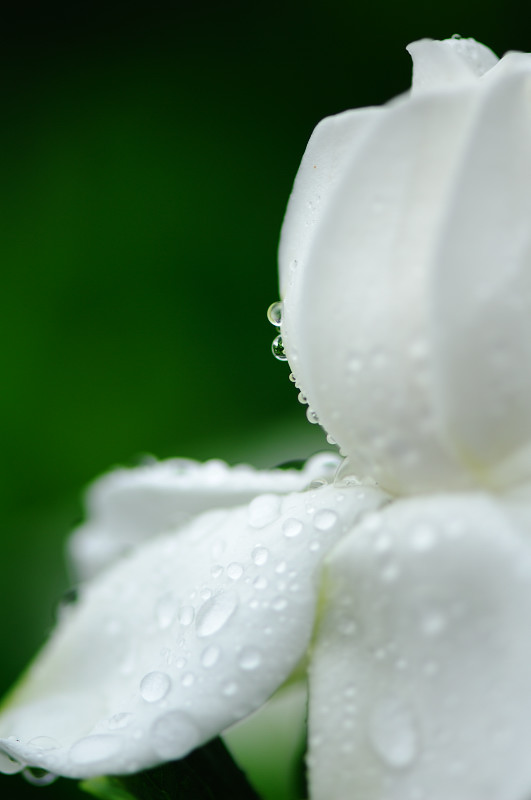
367	375
447	64
128	506
420	683
481	288
180	639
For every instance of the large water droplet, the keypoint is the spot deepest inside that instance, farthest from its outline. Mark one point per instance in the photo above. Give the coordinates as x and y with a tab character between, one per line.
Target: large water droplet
325	520
210	656
277	348
393	733
250	658
92	749
215	613
173	735
39	777
155	686
291	527
274	313
260	556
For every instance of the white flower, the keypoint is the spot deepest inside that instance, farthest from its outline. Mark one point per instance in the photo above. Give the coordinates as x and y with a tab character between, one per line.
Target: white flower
405	274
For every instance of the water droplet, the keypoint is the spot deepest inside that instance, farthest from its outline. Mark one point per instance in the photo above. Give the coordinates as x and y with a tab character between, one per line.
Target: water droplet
38	777
292	377
315	546
281	567
263	510
302	398
260	583
45	743
311	416
291	527
325	520
355	363
215	613
277	348
230	689
155	686
95	748
173	735
216	570
330	439
393	733
165	610
118	721
260	556
250	658
68	599
8	764
188	679
274	313
186	615
210	656
280	604
433	623
235	571
423	537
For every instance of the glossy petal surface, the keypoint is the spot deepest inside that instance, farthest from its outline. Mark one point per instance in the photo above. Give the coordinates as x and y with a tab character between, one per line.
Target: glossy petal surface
420	684
191	632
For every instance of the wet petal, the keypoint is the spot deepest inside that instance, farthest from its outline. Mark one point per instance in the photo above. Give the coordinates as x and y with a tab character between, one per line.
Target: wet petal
189	633
128	506
447	64
420	683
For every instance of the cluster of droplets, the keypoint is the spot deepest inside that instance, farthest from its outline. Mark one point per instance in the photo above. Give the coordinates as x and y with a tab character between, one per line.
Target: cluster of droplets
274	315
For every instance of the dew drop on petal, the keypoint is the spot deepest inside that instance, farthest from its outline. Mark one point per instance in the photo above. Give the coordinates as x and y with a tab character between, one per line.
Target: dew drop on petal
215	613
260	583
292	527
165	610
186	615
234	571
188	679
210	656
274	313
311	416
155	686
230	689
38	777
277	348
8	764
95	748
325	520
260	556
393	733
250	658
173	735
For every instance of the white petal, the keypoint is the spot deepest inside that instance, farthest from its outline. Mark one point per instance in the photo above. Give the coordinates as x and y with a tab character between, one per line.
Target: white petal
174	643
420	684
481	292
355	327
331	145
447	64
128	506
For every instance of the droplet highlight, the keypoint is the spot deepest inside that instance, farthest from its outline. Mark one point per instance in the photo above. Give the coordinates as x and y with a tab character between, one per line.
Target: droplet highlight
215	613
155	686
274	313
277	348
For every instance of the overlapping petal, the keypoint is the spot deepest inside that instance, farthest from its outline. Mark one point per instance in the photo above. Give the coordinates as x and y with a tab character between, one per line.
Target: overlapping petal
173	643
128	506
420	684
445	65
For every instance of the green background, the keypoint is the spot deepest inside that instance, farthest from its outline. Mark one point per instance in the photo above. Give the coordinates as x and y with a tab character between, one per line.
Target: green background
147	156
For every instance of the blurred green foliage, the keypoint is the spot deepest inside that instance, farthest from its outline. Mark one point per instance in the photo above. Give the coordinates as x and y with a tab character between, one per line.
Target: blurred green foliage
147	152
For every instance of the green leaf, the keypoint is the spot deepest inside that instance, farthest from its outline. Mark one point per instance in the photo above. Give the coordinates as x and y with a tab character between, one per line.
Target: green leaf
209	773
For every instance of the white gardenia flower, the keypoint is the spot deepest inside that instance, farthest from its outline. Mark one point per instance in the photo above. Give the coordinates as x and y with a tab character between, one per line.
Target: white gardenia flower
405	266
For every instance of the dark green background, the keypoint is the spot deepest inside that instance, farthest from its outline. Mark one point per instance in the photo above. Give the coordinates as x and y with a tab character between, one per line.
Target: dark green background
147	154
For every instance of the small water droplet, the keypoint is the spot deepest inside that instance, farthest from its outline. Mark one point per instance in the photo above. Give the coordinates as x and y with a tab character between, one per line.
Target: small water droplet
93	749
235	571
393	733
274	313
325	520
165	610
433	623
355	362
210	656
302	398
215	613
173	735
292	377
186	615
188	679
260	556
263	510
330	439
277	348
291	527
281	567
230	689
260	583
280	604
315	546
250	659
155	686
38	777
311	416
216	570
